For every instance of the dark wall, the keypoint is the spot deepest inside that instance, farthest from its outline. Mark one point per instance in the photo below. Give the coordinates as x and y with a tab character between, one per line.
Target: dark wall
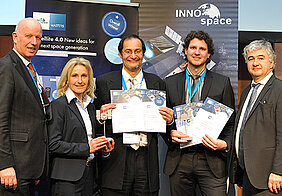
6	44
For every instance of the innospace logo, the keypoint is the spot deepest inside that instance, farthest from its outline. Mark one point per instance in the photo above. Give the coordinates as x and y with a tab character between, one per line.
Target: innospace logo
207	12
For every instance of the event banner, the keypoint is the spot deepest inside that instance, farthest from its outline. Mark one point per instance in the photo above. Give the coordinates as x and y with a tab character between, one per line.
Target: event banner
79	29
164	25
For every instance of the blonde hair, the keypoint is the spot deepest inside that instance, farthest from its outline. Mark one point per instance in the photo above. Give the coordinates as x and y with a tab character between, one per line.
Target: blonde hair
63	83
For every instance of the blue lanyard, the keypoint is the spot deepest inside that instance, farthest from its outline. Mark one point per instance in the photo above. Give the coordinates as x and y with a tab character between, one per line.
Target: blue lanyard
124	84
33	78
197	86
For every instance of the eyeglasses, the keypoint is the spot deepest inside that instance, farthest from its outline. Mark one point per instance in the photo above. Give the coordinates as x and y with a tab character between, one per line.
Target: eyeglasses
137	52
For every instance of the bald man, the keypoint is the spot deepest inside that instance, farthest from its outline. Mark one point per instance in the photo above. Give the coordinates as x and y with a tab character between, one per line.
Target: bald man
23	134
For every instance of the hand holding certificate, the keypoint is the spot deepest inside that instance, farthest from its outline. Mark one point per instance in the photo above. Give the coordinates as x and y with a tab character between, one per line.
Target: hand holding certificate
179	137
198	120
137	110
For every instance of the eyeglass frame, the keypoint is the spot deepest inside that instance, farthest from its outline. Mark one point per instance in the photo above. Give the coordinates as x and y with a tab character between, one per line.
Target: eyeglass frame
129	52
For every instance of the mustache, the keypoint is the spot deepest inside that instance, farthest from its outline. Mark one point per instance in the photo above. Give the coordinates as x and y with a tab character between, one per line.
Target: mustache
133	68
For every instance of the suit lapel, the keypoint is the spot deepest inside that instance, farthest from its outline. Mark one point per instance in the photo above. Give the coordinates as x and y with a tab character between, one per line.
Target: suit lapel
75	110
241	104
258	100
244	97
92	115
207	85
150	83
262	94
180	86
22	70
115	83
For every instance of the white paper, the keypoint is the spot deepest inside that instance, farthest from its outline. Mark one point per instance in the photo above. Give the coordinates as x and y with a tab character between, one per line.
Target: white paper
137	111
210	118
206	123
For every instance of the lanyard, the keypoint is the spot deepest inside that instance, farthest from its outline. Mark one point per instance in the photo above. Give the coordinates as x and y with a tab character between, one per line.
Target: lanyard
197	86
35	82
124	84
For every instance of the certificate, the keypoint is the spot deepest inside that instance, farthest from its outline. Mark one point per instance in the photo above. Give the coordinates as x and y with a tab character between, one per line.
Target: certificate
199	119
184	115
137	110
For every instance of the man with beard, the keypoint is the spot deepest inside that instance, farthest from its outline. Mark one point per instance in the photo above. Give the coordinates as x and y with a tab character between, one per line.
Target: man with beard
203	164
130	169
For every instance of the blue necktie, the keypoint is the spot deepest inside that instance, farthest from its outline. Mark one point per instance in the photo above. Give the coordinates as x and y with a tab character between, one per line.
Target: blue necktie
245	117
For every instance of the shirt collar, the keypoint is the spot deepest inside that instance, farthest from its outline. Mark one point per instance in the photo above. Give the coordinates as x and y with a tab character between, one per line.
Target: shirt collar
127	76
70	96
26	62
199	74
265	79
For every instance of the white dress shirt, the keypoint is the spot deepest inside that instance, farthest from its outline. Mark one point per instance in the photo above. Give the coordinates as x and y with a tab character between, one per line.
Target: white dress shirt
137	80
262	84
83	112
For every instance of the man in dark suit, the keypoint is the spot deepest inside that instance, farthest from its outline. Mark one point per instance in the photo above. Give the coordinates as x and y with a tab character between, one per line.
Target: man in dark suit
203	164
23	134
130	169
256	154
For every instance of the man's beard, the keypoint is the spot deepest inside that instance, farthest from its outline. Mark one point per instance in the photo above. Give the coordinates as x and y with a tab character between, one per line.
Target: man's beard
133	68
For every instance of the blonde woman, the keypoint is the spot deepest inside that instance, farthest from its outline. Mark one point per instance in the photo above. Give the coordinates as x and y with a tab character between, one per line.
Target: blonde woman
71	132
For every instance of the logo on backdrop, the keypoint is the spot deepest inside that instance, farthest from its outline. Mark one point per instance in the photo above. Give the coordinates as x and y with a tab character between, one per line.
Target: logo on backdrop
207	12
51	21
114	24
111	51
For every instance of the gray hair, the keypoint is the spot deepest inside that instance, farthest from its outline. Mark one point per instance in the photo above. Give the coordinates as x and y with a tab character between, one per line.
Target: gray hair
261	44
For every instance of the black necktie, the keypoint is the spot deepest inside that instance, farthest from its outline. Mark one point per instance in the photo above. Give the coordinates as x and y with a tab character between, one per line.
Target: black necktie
195	79
246	115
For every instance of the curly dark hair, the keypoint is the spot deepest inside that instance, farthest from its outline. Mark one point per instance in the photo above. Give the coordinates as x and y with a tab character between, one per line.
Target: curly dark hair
201	35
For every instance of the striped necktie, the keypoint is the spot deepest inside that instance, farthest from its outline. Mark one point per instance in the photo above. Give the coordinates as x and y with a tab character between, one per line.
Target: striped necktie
32	71
132	85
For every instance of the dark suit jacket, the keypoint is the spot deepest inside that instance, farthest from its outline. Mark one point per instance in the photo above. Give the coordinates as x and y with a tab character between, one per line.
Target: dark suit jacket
68	141
112	168
23	132
217	87
262	136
